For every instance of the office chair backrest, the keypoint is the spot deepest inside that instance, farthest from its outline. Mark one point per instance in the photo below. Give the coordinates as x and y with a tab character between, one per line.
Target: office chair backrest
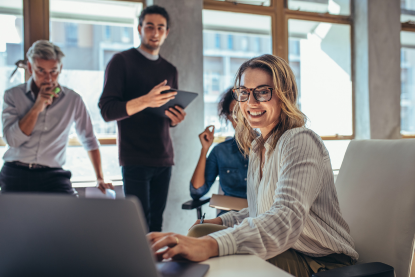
376	190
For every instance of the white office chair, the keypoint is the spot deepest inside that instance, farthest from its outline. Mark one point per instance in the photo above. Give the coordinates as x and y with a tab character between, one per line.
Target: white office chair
376	190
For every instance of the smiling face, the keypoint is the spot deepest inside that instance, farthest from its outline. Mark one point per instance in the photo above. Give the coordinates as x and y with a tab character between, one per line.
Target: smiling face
153	32
262	115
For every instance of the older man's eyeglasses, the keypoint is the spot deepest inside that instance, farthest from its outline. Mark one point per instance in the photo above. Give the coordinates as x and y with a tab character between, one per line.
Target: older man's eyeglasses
42	73
261	94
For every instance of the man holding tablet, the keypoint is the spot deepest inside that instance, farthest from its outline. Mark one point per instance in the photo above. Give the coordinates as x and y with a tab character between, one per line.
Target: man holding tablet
134	81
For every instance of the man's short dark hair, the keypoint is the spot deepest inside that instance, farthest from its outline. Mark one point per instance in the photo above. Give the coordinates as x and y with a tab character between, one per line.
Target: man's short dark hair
154	9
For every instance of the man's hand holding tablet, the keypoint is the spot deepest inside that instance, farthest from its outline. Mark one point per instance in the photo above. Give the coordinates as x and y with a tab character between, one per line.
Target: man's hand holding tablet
156	97
176	115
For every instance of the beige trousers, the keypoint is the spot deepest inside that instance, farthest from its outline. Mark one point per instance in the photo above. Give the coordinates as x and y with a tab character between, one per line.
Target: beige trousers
291	261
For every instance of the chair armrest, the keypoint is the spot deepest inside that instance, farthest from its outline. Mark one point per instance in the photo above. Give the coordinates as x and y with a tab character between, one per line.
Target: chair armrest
193	204
359	270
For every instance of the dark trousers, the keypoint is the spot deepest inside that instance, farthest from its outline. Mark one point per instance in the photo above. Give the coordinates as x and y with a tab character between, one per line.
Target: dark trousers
15	178
150	185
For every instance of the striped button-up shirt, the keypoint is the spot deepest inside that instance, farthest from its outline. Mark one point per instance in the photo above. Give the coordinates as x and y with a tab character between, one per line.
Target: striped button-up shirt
47	143
294	205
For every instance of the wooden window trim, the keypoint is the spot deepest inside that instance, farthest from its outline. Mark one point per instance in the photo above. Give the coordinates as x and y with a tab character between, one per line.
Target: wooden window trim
239	8
407	27
320	17
74	141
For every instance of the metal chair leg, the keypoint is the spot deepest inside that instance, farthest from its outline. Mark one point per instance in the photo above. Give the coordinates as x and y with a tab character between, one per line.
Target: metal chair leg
199	212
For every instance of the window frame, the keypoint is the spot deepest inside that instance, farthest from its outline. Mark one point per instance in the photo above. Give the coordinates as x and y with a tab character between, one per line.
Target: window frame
280	14
36	17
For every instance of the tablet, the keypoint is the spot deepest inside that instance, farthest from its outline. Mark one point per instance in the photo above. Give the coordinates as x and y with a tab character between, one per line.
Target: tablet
182	99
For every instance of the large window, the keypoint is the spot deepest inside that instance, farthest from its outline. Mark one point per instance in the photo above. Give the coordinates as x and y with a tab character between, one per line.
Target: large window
11	49
408	68
11	45
229	39
320	56
407	10
313	35
90	33
407	83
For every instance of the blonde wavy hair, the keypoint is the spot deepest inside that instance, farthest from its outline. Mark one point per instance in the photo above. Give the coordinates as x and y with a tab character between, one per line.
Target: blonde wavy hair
285	88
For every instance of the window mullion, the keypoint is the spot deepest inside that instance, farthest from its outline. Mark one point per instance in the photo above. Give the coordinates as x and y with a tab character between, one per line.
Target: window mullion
36	22
280	30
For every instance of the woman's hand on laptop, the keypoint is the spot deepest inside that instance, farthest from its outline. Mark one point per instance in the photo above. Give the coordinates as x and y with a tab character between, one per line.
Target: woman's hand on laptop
183	247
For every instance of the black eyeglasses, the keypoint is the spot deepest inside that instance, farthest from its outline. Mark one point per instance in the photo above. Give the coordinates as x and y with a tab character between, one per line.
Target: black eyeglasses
261	94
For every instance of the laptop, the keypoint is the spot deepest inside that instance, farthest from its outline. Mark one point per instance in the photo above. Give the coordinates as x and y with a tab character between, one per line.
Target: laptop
54	235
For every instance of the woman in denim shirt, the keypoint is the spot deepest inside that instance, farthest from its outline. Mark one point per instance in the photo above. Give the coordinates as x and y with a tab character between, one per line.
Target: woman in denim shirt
224	160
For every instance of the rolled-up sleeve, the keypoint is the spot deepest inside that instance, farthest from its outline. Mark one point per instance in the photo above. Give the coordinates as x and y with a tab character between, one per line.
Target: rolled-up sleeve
12	133
211	172
111	102
84	128
278	229
233	217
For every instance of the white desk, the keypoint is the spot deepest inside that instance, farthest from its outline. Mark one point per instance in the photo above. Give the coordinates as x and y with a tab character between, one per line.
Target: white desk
242	266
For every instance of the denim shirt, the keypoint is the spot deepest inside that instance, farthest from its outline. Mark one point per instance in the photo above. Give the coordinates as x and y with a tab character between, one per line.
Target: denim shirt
227	161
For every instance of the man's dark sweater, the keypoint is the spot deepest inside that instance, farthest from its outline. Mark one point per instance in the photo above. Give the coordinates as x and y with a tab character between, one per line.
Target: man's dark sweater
143	138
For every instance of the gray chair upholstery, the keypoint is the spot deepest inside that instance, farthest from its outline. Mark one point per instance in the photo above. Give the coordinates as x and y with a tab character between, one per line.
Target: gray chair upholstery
376	190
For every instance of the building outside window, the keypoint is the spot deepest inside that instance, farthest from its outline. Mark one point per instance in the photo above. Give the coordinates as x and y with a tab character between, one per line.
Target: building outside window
217	41
93	31
107	32
71	34
320	57
407	10
230	42
11	49
89	39
407	83
320	54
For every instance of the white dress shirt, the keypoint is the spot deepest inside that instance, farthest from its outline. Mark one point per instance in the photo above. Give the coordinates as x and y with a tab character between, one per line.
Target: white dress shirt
294	205
47	143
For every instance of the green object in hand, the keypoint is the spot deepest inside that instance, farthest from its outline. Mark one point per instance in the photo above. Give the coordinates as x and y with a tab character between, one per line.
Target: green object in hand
56	91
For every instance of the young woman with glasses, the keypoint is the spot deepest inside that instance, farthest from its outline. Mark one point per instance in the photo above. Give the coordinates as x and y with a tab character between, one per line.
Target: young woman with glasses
225	159
293	219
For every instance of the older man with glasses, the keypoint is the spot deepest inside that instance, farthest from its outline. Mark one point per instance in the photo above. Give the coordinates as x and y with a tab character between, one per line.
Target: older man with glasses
37	118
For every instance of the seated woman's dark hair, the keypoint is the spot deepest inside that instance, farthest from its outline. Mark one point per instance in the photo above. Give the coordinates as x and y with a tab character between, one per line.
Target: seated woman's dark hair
224	104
